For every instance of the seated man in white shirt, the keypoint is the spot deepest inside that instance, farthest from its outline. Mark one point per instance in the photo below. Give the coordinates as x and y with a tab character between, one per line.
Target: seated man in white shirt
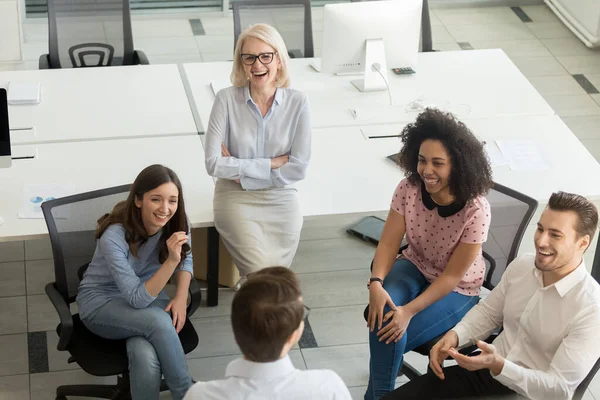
268	315
549	307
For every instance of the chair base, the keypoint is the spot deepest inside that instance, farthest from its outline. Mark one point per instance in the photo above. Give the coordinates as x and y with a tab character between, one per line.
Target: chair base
120	391
409	371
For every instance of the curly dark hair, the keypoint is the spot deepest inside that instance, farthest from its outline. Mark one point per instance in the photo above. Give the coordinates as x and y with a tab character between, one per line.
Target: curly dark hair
471	174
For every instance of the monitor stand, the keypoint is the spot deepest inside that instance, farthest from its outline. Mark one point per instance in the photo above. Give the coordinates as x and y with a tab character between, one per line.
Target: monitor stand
375	68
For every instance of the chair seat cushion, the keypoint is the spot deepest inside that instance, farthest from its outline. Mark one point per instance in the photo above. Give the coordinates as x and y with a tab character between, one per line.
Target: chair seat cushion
103	357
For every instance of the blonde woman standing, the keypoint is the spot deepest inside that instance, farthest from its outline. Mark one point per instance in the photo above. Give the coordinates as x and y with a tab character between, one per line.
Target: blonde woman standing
258	143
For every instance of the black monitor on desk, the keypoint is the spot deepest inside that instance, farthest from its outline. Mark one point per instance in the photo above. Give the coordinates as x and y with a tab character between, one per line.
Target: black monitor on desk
5	154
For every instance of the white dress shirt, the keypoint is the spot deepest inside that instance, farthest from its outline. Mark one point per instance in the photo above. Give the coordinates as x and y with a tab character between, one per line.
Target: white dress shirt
278	380
253	140
550	336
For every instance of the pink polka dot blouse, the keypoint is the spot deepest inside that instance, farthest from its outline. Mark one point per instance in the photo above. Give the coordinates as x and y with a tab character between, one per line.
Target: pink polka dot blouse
432	237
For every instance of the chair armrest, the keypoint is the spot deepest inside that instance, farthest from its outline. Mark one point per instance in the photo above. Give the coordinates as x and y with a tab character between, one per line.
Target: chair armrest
44	63
64	313
195	297
487	283
140	58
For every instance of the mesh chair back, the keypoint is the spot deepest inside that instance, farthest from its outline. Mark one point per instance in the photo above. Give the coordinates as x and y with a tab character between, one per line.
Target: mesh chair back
511	213
89	33
291	18
72	222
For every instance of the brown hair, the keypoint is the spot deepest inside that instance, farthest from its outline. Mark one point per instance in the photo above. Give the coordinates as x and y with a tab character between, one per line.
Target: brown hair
265	312
587	213
129	215
470	173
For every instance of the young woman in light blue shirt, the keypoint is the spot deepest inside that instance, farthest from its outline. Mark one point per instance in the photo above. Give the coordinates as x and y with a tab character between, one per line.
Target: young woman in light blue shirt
142	243
258	143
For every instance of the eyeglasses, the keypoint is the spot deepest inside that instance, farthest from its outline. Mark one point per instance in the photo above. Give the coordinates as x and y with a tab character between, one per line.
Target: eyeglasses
264	58
306	311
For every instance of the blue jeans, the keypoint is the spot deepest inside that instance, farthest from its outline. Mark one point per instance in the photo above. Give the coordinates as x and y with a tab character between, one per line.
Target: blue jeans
404	283
153	346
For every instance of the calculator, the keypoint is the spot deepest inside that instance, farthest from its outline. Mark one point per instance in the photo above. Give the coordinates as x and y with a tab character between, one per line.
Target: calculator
403	71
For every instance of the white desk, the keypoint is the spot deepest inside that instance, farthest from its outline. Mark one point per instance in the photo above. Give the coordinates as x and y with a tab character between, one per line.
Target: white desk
573	168
102	164
484	81
349	173
102	103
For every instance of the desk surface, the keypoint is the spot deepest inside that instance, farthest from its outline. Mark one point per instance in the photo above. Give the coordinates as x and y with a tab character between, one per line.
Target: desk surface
101	164
472	84
350	173
102	103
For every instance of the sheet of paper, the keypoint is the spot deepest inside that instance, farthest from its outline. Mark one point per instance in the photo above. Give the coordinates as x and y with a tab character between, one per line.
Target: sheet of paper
523	155
497	159
35	195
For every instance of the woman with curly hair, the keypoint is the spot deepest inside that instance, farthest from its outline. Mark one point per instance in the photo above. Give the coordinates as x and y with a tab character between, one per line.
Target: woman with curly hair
439	207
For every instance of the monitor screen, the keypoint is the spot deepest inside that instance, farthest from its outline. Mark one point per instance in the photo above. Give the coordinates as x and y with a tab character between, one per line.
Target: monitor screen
4	128
347	27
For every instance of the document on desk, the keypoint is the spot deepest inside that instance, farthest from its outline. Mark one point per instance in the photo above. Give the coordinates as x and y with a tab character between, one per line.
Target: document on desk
35	195
524	155
496	157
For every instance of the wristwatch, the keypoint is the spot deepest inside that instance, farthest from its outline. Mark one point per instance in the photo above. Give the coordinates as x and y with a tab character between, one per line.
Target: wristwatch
374	279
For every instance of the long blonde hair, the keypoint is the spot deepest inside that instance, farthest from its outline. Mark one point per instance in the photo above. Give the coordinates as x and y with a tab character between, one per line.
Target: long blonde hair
269	35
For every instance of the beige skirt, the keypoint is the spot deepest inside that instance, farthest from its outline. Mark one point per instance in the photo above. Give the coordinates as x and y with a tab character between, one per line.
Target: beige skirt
259	228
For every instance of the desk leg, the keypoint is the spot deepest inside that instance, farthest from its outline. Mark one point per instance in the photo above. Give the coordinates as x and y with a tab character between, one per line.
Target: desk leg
212	272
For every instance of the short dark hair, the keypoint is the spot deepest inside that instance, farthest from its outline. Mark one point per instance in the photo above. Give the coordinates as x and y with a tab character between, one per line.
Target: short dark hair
471	173
265	312
587	213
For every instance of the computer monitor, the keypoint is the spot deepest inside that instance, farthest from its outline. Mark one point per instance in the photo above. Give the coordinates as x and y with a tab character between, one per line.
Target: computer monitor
5	155
368	37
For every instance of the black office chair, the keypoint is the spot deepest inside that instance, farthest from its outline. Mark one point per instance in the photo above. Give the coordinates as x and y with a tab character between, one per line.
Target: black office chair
90	33
580	391
596	263
426	39
511	213
285	16
71	222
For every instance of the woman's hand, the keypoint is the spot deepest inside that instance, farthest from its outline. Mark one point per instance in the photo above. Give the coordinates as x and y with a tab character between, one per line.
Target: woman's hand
225	153
174	244
178	308
396	327
279	161
378	298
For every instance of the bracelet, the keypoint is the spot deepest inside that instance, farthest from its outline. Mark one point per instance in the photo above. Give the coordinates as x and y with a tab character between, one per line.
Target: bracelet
374	279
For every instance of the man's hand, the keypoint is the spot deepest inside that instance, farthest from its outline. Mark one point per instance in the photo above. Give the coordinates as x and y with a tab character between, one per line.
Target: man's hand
441	351
488	359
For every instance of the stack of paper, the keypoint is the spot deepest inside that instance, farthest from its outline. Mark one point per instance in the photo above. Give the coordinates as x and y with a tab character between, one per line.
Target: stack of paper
23	93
